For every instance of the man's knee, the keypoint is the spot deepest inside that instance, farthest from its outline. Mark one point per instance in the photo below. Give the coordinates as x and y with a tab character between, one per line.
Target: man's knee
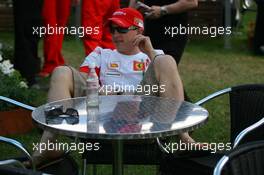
62	78
164	62
61	73
61	84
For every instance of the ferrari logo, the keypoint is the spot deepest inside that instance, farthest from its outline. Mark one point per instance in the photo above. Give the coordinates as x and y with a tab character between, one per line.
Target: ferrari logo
138	66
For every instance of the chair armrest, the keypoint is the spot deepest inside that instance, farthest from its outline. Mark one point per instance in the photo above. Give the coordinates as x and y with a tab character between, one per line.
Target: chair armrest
9	100
161	147
20	147
244	132
214	95
219	166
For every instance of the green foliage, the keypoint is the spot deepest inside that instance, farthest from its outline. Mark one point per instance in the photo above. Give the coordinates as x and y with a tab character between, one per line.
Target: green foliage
12	84
7	53
11	87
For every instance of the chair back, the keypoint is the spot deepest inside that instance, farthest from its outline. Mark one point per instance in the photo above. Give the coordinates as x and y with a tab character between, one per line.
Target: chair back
246	108
245	159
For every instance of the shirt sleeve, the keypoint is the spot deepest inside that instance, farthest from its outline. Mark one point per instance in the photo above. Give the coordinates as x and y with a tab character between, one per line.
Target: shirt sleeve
158	51
93	57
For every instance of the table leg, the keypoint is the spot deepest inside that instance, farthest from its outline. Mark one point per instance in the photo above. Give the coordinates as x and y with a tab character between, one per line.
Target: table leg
118	157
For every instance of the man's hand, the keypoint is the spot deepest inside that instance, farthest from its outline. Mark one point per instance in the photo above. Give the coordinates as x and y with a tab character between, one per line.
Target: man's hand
75	2
154	12
144	44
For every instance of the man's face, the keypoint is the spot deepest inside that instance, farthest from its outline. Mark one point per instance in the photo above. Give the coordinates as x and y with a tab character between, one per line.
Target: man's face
123	37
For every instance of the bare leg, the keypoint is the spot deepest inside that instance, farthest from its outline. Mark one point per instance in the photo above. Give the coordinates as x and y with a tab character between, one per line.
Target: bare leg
186	138
61	87
167	74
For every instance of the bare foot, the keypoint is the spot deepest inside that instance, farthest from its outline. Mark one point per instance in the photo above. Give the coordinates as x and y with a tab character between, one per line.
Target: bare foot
44	158
186	138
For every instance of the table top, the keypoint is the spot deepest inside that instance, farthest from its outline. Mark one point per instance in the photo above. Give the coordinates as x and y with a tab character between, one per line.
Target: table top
125	117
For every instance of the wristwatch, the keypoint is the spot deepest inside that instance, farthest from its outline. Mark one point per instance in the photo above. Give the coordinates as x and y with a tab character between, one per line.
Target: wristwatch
163	11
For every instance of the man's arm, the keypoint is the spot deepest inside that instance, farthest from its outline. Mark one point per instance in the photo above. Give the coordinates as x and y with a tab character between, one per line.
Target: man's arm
173	8
132	3
181	6
145	45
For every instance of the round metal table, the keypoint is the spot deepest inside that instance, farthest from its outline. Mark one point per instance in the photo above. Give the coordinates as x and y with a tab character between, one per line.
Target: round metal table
125	117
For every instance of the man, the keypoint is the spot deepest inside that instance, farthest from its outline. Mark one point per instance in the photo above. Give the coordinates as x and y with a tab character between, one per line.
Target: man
259	35
125	65
55	13
27	14
163	14
94	13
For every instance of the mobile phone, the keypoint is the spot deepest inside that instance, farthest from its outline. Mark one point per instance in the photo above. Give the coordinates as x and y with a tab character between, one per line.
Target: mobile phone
143	8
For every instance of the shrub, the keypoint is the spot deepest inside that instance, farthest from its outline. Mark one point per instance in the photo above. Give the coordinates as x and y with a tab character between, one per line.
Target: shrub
12	85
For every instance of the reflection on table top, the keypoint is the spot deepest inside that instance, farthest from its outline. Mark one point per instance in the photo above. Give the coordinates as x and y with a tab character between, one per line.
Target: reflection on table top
126	117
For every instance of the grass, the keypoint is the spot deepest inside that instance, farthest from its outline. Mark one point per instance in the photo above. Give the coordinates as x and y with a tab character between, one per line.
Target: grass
206	67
